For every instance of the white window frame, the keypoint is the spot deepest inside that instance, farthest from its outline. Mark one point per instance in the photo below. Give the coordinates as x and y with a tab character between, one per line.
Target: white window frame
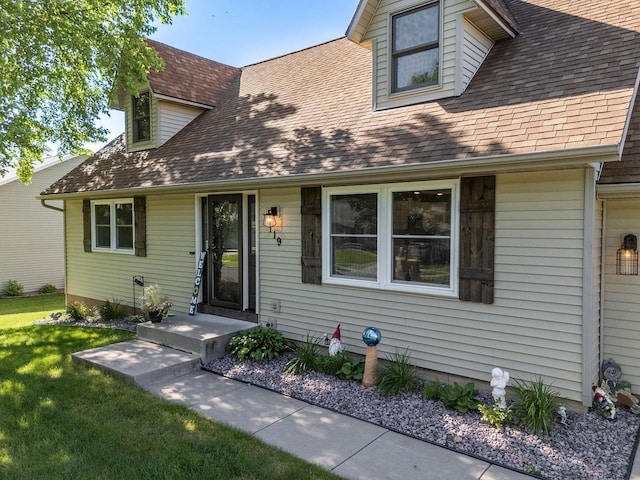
384	279
112	226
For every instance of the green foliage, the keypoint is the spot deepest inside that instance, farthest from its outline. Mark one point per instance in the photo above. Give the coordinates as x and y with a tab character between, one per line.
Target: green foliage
459	397
494	415
454	397
79	311
259	343
433	390
397	375
306	357
536	406
13	289
352	370
61	64
47	289
113	310
153	300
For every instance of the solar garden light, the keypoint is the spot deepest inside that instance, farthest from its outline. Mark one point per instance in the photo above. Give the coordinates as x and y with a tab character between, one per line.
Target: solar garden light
371	337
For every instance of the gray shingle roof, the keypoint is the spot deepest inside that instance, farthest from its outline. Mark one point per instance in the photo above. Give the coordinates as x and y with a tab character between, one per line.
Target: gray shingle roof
566	81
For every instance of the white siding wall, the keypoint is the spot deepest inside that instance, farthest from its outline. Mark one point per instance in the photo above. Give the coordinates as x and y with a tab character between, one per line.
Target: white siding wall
31	236
170	238
475	47
378	33
173	117
534	326
621	293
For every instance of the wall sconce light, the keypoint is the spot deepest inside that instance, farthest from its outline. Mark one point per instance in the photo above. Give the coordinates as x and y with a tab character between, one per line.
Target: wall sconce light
272	220
627	256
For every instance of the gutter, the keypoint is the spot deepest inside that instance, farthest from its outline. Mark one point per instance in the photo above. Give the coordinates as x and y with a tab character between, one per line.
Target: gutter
42	202
515	162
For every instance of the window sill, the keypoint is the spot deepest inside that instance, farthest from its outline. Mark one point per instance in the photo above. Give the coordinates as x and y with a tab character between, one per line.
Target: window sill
116	251
415	91
450	292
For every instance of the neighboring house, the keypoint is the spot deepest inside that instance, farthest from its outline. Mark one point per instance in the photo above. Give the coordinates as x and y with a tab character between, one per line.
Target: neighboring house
32	236
434	174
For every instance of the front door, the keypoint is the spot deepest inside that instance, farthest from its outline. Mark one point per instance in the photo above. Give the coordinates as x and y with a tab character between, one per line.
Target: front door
231	251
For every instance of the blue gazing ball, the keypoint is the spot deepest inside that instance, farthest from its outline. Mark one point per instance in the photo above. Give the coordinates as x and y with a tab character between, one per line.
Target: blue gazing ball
371	336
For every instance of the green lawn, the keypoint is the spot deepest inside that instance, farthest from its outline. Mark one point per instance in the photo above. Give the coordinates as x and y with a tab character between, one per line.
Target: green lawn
20	312
60	420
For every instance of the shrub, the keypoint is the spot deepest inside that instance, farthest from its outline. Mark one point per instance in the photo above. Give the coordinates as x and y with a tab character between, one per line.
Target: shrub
351	369
113	310
13	289
433	390
258	343
397	375
306	357
494	415
536	405
78	311
454	397
459	397
48	288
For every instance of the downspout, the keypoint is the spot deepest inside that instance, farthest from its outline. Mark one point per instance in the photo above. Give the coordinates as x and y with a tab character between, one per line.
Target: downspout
58	209
603	271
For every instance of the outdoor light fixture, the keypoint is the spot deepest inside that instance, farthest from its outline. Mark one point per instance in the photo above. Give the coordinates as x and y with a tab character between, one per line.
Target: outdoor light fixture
627	256
272	220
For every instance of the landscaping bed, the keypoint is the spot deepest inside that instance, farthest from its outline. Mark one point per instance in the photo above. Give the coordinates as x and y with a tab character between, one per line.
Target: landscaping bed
588	447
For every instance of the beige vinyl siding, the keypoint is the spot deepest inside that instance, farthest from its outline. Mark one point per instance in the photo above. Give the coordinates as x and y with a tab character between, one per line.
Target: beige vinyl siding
621	293
534	327
153	143
172	118
31	236
378	33
475	47
170	238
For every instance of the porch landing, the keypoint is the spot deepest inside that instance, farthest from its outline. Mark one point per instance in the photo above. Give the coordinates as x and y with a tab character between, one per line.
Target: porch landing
172	348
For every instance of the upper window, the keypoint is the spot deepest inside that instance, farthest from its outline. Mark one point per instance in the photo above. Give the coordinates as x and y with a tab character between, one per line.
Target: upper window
393	236
415	48
141	117
113	225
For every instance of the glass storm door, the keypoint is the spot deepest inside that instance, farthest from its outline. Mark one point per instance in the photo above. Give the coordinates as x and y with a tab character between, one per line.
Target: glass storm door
225	240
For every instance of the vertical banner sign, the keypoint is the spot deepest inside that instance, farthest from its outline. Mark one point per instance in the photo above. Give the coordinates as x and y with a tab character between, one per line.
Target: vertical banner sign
196	286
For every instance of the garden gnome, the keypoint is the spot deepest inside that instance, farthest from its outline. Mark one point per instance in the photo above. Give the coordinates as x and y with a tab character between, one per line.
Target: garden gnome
562	413
335	345
602	401
499	380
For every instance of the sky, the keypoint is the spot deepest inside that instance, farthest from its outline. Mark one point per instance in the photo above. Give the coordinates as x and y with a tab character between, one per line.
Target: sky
243	32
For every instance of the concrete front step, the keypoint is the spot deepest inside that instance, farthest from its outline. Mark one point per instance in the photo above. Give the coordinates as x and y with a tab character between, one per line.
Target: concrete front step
203	335
139	361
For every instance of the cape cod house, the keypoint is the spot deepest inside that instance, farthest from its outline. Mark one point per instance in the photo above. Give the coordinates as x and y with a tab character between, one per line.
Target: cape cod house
449	172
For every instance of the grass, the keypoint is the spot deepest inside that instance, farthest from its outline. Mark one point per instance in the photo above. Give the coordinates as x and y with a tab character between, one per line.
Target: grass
20	312
61	420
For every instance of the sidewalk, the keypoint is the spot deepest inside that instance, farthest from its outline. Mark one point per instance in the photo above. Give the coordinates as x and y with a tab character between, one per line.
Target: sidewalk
348	447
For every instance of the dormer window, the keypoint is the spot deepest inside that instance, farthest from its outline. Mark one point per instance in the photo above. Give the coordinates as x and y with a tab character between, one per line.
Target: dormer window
416	48
141	116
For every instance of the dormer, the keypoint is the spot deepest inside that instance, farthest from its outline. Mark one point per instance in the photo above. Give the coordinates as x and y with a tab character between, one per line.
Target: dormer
187	86
426	50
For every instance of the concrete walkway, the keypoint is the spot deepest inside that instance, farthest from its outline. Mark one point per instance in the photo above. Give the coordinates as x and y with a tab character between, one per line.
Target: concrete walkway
348	447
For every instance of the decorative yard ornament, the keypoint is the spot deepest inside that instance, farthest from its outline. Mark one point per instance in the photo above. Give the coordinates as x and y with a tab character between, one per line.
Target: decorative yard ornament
602	401
335	345
371	337
499	380
562	413
611	373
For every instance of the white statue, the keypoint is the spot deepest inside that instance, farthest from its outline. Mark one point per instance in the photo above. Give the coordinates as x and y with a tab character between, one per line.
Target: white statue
335	346
499	380
562	413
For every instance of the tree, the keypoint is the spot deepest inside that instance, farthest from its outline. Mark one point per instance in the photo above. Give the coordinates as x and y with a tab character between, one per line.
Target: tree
61	62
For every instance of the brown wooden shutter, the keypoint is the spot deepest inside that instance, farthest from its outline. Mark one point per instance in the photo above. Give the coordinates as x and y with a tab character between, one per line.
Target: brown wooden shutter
311	211
86	224
477	238
140	209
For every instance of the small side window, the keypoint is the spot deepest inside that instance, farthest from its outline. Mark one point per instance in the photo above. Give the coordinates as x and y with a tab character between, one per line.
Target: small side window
415	48
141	117
113	225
